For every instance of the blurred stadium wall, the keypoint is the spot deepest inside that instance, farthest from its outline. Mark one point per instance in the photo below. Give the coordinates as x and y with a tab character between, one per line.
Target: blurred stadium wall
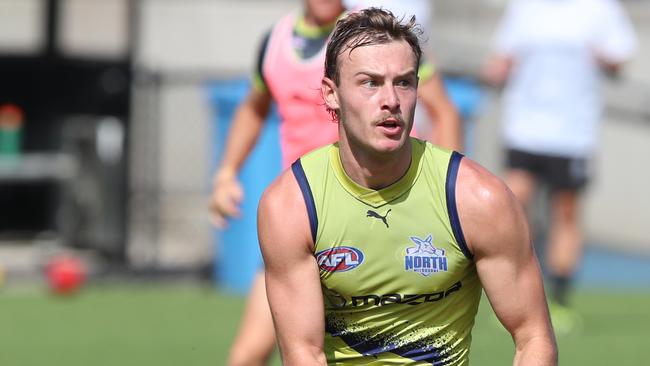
182	44
187	42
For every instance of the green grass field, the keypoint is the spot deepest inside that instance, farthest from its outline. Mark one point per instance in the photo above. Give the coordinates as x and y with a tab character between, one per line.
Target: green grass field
156	324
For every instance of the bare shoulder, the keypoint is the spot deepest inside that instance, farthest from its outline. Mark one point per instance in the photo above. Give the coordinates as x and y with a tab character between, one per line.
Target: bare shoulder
489	212
282	214
283	188
480	190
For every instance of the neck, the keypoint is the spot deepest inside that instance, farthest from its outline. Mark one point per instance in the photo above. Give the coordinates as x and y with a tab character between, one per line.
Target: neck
312	21
375	170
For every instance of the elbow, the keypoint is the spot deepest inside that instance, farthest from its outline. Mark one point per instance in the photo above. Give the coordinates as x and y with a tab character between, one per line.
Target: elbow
538	349
542	352
302	356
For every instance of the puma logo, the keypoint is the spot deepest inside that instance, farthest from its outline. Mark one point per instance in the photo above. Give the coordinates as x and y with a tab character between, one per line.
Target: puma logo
372	213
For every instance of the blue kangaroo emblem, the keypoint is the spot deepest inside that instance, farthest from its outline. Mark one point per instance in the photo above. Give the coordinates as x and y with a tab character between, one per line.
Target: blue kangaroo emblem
424	246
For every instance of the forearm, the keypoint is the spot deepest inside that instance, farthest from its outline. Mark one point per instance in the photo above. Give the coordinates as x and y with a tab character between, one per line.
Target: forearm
296	304
300	333
227	192
538	351
246	128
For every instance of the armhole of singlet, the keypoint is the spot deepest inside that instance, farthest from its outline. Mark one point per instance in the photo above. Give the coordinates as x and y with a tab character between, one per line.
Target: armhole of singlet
299	173
260	57
450	191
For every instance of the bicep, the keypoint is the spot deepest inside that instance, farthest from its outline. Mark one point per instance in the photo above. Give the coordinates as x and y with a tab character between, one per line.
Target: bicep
442	112
503	252
246	128
258	102
511	277
292	275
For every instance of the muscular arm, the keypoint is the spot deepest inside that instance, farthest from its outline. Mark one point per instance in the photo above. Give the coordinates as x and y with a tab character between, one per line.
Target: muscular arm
246	127
292	275
431	93
496	230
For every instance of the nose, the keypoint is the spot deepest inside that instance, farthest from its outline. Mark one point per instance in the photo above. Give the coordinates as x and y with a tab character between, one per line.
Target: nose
390	99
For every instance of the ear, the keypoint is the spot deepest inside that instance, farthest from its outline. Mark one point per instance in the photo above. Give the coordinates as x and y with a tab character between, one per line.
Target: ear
330	93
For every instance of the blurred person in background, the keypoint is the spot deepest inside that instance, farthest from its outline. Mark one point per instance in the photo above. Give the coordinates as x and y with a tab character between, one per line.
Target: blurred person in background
551	55
289	72
402	9
366	262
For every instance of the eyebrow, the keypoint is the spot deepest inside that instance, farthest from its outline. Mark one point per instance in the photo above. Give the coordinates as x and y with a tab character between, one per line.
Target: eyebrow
377	75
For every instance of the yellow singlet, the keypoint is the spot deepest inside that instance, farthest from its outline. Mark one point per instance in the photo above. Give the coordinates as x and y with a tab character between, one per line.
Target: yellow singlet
399	283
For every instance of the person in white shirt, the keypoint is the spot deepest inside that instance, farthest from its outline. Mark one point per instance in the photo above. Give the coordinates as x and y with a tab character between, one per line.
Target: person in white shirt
551	56
422	9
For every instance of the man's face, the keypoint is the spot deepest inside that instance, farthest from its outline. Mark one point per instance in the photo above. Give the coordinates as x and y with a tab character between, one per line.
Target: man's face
324	11
376	95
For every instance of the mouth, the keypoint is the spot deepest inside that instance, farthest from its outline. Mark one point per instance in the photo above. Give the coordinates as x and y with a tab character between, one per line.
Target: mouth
391	125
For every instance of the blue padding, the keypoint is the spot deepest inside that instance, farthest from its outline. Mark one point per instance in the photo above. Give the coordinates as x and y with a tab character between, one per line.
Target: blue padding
466	95
237	254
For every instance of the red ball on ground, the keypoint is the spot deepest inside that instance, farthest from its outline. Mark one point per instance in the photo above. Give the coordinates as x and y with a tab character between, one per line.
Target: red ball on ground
65	274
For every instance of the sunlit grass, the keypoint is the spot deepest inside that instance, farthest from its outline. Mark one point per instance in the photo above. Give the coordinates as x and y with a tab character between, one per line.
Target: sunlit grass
157	324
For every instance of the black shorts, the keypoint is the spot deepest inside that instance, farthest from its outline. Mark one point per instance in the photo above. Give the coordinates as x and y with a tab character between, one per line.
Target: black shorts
560	173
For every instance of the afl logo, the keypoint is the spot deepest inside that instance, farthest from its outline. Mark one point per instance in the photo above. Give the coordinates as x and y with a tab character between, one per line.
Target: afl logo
339	259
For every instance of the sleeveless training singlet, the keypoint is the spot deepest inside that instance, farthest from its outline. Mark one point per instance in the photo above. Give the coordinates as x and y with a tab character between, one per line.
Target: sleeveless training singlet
398	281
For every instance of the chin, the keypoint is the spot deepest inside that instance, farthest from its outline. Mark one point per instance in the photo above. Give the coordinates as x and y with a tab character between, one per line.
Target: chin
390	146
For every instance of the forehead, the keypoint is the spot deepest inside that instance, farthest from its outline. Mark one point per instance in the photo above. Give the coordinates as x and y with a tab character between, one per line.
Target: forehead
396	55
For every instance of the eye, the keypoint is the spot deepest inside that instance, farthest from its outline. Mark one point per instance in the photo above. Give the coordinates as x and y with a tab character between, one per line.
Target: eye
404	83
369	83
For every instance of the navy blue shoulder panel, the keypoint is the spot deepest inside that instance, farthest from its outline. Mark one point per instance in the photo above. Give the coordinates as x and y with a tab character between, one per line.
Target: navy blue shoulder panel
261	53
299	173
450	185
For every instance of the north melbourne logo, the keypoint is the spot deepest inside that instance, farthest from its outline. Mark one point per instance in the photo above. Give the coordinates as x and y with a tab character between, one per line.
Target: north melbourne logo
424	258
374	214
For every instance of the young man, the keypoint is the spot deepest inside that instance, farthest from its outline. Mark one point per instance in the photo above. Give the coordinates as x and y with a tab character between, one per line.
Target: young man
289	73
376	248
551	54
290	66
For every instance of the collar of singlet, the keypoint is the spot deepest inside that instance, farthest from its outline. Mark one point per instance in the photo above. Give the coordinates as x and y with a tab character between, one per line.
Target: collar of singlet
312	31
378	198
